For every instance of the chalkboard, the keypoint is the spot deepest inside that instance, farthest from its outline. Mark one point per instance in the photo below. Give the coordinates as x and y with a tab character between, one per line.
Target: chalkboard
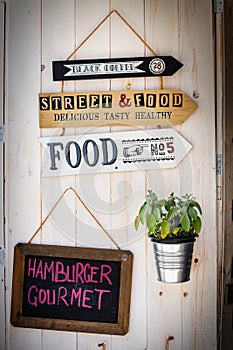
71	289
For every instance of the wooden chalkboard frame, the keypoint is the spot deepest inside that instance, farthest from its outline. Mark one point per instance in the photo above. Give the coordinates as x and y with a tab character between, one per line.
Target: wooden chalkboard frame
125	257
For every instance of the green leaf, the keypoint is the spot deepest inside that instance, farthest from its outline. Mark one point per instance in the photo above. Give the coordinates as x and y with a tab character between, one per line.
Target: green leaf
163	202
157	214
150	221
172	212
168	204
165	229
185	223
197	205
197	225
136	222
193	213
143	212
184	209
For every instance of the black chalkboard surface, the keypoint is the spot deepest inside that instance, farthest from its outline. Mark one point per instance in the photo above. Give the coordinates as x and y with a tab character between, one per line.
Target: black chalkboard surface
71	289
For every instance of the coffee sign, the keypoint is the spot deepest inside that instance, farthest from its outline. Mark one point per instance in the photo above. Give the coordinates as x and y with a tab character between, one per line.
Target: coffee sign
109	68
113	152
129	107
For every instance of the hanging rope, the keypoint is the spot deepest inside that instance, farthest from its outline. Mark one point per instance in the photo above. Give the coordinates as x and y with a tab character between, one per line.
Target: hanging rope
87	209
94	30
98	26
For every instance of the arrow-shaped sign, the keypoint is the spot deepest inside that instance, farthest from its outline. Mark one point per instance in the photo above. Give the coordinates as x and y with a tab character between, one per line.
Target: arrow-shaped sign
113	152
128	107
109	68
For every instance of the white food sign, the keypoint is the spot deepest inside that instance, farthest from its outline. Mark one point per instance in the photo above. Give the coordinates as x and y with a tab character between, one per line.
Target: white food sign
113	152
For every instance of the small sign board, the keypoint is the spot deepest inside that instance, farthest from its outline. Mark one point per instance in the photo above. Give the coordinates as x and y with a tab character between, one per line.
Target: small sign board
113	152
129	107
109	68
71	289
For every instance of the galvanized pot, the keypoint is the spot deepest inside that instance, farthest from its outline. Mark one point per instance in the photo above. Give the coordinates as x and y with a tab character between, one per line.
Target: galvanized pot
173	259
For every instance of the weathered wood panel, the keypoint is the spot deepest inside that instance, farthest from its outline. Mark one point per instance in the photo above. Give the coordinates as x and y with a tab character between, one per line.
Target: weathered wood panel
220	135
57	21
165	298
185	40
124	193
23	150
39	35
227	321
2	243
200	84
94	189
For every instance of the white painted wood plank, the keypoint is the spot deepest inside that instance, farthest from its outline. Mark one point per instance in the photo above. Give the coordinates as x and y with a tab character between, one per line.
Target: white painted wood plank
192	168
164	300
127	188
198	79
58	340
58	40
227	239
94	189
23	150
2	53
2	241
52	49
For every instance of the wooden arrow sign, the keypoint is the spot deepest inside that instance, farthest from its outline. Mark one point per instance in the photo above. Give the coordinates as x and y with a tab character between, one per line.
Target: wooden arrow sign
113	152
109	68
129	107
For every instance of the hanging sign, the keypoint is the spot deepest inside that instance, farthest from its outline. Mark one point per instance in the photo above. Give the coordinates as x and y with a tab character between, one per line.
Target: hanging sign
71	289
109	68
113	152
129	107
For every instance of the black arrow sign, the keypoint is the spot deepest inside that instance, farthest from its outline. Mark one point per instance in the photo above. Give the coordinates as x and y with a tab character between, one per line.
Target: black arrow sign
109	68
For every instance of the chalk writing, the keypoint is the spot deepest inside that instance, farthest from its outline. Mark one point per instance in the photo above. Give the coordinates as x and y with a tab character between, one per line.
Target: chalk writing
70	285
71	288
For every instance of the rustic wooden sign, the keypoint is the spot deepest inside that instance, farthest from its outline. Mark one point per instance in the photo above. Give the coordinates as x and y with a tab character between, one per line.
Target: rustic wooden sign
129	107
113	152
71	289
109	68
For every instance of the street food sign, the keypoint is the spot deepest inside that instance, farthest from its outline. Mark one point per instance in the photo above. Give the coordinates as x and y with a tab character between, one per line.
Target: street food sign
113	152
129	107
109	68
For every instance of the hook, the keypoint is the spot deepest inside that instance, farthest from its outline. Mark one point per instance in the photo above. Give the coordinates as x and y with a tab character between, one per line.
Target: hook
62	132
103	345
168	340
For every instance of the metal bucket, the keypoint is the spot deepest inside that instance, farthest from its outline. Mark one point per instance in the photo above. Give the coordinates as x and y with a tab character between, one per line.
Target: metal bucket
173	260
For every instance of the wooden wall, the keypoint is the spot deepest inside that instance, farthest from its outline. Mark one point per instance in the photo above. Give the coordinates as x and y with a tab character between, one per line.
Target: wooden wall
227	327
2	245
41	31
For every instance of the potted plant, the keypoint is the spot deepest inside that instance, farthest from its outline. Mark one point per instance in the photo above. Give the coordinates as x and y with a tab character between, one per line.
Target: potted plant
173	225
